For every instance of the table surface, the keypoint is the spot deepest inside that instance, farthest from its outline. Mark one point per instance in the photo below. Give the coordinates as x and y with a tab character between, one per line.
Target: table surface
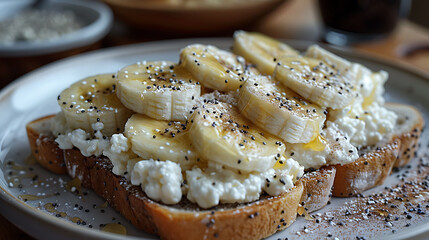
296	19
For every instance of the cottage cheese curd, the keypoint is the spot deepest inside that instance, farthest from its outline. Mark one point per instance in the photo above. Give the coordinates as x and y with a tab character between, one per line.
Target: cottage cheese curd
160	180
117	148
84	142
119	153
218	184
331	148
365	122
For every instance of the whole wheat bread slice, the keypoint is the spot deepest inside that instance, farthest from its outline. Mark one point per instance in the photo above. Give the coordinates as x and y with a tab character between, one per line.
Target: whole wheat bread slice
185	220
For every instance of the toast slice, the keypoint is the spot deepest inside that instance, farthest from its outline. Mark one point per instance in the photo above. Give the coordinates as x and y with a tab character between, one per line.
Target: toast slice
409	128
254	221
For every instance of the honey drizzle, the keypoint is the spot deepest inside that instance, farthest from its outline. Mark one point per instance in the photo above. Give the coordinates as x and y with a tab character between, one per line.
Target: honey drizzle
114	228
29	197
75	186
317	144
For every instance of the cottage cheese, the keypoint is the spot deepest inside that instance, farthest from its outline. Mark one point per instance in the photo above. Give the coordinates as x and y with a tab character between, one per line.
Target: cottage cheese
364	127
117	148
160	180
365	122
84	142
119	153
333	149
218	184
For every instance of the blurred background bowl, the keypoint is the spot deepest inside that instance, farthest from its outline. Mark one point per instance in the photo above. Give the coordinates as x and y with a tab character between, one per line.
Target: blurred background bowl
170	16
96	19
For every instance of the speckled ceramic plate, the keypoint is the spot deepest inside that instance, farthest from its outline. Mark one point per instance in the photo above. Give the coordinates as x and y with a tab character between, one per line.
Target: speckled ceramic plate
82	216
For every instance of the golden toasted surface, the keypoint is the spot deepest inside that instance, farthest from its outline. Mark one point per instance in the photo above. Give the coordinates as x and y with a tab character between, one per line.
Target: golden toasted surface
368	171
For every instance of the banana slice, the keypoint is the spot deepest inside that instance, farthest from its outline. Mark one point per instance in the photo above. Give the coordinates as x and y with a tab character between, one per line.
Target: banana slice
360	76
279	110
316	81
92	100
220	134
332	60
160	89
261	50
163	140
214	68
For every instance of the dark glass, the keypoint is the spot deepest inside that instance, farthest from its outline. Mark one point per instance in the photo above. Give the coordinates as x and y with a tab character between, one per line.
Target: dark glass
348	21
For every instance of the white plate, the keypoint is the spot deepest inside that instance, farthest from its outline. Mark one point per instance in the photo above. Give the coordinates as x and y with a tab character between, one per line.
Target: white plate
34	95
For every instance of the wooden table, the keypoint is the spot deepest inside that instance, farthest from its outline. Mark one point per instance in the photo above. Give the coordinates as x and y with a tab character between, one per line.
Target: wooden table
299	19
296	19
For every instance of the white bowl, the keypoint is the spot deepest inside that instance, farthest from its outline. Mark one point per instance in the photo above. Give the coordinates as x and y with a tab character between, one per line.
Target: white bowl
96	18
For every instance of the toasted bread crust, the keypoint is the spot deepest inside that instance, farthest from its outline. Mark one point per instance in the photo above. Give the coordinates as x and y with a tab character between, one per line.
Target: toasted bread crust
409	138
247	221
366	172
317	188
251	221
44	148
409	146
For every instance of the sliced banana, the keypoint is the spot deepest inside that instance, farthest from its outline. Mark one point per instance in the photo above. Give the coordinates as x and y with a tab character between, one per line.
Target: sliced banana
360	76
163	140
214	68
220	134
160	89
279	110
316	81
332	60
92	100
261	50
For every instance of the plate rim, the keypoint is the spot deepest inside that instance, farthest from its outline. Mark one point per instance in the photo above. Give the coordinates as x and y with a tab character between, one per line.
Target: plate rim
68	227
